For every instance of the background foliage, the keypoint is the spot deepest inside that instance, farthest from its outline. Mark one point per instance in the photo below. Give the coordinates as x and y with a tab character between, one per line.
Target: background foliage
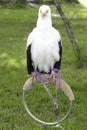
14	2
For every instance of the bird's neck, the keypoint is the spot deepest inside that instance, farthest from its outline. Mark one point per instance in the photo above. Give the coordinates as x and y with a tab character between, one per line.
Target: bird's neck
44	23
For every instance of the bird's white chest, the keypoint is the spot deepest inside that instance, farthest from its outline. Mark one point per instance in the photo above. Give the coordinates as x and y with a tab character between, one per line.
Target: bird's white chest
44	51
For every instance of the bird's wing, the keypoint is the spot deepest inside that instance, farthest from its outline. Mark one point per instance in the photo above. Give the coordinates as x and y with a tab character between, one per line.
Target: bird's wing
57	65
30	67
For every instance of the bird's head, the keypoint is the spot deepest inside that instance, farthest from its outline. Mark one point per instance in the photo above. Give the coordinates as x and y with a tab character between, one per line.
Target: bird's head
44	12
44	17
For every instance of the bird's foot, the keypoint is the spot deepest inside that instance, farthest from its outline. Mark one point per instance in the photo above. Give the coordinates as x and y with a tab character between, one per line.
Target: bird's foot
54	75
34	78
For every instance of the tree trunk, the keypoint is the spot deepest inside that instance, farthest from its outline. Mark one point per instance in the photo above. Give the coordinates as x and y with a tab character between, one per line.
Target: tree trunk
11	3
68	29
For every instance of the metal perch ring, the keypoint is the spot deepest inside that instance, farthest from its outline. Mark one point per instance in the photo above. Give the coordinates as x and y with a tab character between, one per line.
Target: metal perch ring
68	92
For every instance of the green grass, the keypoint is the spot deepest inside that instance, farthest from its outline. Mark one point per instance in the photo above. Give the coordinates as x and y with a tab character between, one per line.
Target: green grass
15	25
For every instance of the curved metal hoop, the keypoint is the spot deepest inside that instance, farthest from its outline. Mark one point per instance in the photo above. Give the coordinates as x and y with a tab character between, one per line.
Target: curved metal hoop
43	122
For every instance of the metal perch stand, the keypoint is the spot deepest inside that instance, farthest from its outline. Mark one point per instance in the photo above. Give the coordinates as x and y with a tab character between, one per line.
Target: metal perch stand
65	88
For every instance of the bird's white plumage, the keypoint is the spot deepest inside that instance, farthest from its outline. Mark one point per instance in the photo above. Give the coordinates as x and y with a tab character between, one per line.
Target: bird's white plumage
44	41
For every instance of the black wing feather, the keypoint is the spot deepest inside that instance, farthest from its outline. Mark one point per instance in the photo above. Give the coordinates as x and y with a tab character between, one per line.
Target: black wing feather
57	65
30	67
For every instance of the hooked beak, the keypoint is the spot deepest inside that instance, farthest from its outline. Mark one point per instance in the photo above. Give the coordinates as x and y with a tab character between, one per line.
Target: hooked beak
44	14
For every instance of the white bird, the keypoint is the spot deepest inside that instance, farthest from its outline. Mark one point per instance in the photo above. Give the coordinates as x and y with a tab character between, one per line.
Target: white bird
44	46
83	2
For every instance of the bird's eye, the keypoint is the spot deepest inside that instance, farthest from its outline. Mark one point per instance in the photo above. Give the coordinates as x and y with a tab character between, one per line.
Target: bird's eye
47	11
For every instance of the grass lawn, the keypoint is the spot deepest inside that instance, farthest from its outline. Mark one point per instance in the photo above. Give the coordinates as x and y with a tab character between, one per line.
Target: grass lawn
15	25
